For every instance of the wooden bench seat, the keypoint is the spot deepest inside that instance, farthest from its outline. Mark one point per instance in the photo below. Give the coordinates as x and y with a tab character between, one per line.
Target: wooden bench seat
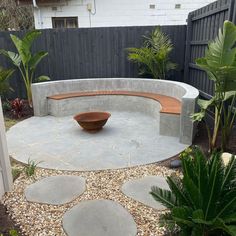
169	105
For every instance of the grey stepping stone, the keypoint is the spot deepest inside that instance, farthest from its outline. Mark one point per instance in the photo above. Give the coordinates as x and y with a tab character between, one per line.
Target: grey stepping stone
139	190
99	218
56	190
175	164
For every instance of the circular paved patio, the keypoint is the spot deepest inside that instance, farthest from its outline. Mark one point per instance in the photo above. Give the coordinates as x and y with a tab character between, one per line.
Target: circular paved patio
128	139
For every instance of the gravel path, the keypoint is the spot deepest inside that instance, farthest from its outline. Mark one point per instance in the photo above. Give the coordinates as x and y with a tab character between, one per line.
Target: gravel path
41	219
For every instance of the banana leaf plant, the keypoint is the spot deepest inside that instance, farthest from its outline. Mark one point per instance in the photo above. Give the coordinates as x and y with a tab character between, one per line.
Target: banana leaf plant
25	60
220	65
5	74
203	201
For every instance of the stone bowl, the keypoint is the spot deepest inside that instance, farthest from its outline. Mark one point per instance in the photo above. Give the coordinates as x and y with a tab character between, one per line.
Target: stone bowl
92	120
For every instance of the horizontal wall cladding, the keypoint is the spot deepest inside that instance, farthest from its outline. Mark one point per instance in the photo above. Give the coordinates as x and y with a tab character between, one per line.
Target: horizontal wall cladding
203	26
92	52
119	12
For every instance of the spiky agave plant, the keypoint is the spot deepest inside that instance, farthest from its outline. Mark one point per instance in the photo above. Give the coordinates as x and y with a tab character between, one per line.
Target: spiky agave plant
153	57
203	202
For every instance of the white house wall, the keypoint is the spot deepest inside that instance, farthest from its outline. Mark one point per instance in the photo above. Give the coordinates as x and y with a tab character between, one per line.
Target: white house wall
119	12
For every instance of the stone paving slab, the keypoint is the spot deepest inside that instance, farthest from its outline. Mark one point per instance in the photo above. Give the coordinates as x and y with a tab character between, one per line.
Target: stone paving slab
56	190
99	218
139	189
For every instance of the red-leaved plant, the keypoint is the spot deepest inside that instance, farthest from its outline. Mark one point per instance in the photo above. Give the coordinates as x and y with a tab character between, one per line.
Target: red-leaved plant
17	106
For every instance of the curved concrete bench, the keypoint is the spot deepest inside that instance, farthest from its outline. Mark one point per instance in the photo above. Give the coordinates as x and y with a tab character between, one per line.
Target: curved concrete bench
168	104
174	121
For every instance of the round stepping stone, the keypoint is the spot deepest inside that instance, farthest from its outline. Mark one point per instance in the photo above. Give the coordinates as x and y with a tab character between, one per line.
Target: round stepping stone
139	190
99	218
56	190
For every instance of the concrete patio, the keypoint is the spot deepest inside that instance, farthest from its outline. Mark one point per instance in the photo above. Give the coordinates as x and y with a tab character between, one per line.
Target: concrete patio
128	139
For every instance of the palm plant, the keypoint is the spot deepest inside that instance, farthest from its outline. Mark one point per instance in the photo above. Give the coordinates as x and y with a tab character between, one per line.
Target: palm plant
25	61
153	57
220	65
5	74
203	202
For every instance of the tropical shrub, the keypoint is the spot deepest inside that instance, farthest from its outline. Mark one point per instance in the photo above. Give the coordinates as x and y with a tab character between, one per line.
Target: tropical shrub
5	74
220	65
203	201
25	60
153	58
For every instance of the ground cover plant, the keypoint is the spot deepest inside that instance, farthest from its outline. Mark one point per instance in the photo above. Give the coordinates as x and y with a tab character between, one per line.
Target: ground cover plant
203	201
153	57
25	61
220	65
30	168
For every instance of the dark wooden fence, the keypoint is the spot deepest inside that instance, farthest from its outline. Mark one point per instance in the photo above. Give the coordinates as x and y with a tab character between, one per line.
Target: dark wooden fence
92	53
203	26
101	52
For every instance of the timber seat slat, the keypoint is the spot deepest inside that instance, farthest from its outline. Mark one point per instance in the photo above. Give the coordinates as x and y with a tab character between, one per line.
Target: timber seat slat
169	104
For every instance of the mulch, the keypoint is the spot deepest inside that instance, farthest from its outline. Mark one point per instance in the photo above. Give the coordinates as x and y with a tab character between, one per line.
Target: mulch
6	223
201	139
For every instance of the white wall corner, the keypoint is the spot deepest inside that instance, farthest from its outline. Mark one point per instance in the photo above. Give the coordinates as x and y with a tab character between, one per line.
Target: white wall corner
6	181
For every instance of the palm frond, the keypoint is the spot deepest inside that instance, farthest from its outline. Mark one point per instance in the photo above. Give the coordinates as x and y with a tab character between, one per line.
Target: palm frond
153	57
4	77
165	197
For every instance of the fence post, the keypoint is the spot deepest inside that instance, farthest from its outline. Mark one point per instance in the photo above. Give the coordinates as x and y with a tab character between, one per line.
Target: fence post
187	47
5	166
232	11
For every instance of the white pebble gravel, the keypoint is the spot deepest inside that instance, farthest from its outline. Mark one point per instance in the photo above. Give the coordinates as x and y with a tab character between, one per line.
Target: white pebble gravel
37	219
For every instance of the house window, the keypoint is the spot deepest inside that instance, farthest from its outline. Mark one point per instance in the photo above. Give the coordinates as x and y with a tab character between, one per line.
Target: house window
65	22
177	6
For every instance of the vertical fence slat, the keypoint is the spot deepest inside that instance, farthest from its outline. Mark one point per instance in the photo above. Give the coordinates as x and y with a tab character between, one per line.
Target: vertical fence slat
203	25
92	52
188	48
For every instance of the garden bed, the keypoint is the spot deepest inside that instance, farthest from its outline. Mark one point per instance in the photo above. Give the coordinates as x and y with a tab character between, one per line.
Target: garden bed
102	184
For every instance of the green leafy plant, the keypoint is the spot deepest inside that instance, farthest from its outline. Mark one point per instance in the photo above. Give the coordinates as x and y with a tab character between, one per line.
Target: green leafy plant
153	57
25	61
5	74
6	106
220	65
13	232
30	168
16	173
203	201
